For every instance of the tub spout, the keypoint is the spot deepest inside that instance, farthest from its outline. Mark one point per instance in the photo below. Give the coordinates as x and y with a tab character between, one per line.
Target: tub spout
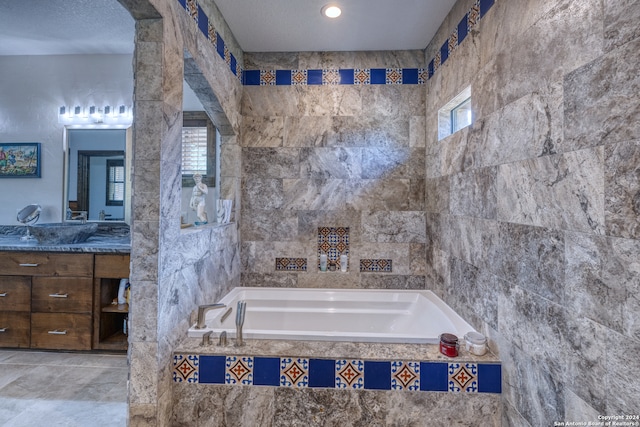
202	311
240	312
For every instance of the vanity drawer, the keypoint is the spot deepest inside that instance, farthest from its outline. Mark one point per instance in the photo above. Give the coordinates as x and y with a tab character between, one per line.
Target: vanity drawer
112	266
14	329
61	294
61	331
15	293
46	264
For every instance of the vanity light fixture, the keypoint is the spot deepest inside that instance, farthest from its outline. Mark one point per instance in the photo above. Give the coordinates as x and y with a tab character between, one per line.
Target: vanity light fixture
93	116
331	11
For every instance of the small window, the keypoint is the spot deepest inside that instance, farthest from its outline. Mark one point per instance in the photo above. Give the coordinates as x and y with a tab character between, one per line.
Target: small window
455	115
115	182
198	148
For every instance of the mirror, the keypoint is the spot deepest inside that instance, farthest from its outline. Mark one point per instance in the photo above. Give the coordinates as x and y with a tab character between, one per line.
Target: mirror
29	215
97	185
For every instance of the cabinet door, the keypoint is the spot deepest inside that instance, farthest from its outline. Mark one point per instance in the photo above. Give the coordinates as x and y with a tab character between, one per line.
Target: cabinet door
61	294
61	331
14	329
15	293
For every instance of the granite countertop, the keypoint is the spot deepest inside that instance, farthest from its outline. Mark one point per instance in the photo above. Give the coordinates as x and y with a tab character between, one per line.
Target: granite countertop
110	238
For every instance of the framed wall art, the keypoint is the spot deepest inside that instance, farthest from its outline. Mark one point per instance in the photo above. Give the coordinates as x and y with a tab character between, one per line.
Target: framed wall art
19	160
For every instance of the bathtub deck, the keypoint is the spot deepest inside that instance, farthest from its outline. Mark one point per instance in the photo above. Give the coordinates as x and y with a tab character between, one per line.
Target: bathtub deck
325	349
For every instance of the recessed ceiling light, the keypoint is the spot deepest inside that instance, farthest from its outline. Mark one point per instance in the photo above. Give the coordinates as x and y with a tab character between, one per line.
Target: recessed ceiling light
331	11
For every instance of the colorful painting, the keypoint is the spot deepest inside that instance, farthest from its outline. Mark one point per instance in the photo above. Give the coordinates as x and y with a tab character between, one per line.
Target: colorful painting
20	160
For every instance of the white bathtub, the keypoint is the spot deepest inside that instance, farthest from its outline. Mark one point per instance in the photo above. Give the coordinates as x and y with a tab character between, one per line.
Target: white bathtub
385	316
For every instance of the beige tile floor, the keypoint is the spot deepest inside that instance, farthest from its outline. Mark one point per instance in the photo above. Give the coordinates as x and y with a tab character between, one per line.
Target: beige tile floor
62	389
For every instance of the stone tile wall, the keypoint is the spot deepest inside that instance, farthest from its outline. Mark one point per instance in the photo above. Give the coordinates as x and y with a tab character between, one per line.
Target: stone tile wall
532	213
172	271
333	156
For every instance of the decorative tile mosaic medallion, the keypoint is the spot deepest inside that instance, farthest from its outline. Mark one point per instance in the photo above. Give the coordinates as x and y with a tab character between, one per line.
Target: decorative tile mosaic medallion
405	375
294	372
239	370
185	368
333	241
291	264
346	374
376	265
463	377
349	374
267	77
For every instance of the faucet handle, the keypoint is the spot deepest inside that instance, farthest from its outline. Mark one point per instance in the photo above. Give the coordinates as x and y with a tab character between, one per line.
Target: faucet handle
202	311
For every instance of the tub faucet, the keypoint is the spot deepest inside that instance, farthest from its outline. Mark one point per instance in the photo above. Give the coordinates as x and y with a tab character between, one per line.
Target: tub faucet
242	307
202	311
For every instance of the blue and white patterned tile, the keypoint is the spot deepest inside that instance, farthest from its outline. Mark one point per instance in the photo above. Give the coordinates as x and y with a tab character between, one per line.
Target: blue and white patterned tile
239	370
405	376
393	76
192	9
473	16
361	76
423	75
349	374
294	372
185	368
463	377
267	77
453	40
376	265
298	77
213	36
331	77
291	264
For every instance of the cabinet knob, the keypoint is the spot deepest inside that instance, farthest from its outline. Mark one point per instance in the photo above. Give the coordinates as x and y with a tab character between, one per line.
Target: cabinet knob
3	329
3	294
29	265
57	332
59	295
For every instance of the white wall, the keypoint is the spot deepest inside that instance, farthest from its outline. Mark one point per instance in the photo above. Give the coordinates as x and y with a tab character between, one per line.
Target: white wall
32	88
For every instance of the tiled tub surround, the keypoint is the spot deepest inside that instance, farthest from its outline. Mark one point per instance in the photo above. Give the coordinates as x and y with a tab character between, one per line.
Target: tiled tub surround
333	157
350	383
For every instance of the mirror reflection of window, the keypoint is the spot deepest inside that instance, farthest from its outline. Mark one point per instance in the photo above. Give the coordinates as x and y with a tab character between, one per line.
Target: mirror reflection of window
198	148
115	182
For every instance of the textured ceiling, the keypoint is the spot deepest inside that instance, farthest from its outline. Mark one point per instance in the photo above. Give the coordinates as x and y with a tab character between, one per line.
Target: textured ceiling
54	27
58	27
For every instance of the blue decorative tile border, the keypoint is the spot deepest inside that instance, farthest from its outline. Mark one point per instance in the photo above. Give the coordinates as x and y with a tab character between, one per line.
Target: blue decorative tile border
206	27
343	76
347	374
334	76
468	22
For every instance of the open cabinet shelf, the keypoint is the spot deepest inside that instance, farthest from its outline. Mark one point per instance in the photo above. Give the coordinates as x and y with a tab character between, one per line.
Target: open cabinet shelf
109	331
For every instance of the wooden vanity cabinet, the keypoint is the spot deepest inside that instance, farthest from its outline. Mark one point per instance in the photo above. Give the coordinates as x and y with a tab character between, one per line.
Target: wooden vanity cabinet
15	311
51	300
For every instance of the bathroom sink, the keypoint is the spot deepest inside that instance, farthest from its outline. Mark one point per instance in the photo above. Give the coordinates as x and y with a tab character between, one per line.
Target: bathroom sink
60	233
